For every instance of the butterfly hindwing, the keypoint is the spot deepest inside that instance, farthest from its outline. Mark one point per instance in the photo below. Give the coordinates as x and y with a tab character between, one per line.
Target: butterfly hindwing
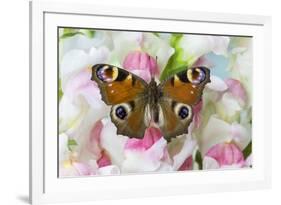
129	118
126	93
172	123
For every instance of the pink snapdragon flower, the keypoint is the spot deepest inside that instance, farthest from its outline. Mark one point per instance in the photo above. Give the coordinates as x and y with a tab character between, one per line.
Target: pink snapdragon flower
151	135
95	148
197	114
141	64
104	160
145	154
187	164
236	89
224	155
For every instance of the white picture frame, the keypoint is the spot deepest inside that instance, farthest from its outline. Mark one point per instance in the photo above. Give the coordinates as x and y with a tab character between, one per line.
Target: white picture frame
46	187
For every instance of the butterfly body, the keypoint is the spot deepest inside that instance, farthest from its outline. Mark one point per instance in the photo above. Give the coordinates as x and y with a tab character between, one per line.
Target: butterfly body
154	95
137	104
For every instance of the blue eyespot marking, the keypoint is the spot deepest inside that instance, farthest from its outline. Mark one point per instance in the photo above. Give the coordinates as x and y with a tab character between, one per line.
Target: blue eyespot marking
183	112
121	112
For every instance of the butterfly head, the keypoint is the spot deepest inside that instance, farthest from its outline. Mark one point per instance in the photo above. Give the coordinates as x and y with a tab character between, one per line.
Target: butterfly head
153	82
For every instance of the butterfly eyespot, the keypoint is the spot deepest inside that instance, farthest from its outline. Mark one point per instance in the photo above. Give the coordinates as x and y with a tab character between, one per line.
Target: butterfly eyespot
183	112
196	75
121	112
107	73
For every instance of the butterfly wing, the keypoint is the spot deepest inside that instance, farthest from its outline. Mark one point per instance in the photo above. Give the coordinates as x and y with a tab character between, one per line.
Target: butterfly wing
187	86
180	93
129	118
117	85
126	93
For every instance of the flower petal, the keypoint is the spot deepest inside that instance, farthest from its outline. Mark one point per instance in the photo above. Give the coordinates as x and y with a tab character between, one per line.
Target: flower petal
144	161
249	161
81	85
151	136
85	43
98	55
144	74
210	163
83	169
143	63
77	60
158	48
185	152
236	89
194	46
216	131
112	143
241	134
226	154
104	160
187	164
93	144
63	151
197	114
69	114
216	84
72	62
123	43
109	170
228	108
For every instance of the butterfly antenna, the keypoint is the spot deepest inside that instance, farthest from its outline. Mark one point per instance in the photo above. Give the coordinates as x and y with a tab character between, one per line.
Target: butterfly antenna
156	67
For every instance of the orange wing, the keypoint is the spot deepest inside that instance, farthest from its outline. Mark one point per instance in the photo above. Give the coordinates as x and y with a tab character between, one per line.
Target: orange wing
117	85
186	86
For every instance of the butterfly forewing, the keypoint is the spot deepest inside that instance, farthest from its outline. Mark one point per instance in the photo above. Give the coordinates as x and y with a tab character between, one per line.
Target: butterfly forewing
117	85
186	86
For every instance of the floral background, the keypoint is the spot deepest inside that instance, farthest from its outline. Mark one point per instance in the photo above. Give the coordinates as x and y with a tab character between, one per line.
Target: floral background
219	136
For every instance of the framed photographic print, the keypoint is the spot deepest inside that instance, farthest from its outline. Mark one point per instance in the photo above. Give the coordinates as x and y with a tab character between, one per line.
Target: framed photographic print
127	103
